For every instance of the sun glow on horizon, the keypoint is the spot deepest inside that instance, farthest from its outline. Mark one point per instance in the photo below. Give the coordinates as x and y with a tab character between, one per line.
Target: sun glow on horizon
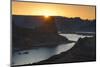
46	16
25	8
46	12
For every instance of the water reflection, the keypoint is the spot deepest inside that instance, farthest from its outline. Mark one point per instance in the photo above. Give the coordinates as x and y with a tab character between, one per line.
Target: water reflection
74	37
41	53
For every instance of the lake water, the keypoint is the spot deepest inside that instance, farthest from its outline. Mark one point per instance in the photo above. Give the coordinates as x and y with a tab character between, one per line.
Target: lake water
42	53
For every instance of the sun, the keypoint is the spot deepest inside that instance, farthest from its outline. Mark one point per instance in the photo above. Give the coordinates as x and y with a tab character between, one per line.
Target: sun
46	16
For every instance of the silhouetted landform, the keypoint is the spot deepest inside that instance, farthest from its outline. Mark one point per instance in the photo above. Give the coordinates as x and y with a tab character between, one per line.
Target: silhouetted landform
35	31
83	51
73	25
63	24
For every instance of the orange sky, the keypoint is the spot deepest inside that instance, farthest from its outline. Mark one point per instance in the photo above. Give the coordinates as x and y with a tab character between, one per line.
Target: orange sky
29	8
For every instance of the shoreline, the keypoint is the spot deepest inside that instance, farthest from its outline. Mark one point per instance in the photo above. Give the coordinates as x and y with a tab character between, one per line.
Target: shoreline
79	53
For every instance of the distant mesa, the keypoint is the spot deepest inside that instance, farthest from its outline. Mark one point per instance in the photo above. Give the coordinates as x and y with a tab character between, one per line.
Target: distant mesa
62	24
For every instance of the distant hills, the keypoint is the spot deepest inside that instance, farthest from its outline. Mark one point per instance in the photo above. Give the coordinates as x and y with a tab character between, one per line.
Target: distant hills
66	25
63	24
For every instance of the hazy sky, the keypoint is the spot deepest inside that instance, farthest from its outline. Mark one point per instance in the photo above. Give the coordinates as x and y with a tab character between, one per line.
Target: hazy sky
30	8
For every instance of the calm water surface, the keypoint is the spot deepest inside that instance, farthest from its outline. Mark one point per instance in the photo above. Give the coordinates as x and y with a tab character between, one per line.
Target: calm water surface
42	53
